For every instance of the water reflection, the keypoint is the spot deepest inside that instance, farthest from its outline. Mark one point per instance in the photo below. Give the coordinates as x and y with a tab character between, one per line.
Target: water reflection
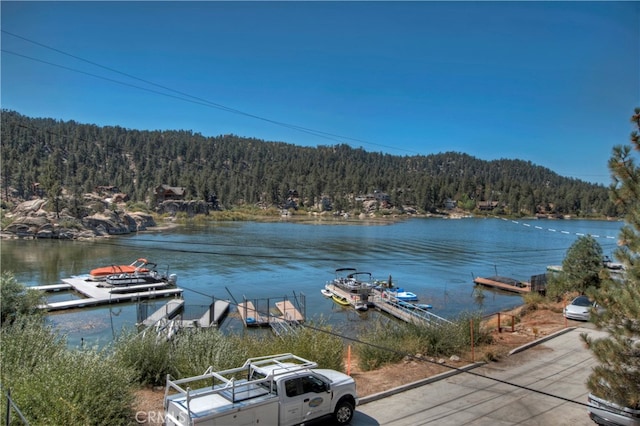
436	259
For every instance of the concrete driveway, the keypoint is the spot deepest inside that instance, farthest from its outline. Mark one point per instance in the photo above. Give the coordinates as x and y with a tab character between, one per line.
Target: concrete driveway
556	367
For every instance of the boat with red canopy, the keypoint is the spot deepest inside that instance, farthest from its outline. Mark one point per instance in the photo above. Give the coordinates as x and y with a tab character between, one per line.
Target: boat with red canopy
103	272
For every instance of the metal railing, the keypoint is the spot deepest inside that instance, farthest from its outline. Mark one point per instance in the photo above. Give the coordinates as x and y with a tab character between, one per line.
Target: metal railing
8	408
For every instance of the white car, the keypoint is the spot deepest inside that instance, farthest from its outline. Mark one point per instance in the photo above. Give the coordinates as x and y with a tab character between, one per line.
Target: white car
580	308
607	413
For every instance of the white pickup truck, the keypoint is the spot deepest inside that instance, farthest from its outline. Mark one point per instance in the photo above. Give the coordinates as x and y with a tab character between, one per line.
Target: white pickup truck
272	390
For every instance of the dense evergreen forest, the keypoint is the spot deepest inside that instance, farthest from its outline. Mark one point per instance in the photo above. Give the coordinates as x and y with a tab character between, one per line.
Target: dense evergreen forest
76	158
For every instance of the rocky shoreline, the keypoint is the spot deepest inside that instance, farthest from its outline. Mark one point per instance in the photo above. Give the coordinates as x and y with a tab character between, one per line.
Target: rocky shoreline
30	220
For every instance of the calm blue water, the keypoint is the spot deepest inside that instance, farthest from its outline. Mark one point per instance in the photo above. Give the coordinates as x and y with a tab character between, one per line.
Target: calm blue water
434	258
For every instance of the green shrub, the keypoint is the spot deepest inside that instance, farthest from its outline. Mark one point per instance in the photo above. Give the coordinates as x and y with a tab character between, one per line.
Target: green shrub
55	385
150	358
198	349
384	339
16	299
322	346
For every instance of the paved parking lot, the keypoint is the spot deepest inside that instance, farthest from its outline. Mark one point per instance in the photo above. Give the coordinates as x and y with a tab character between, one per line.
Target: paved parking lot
541	385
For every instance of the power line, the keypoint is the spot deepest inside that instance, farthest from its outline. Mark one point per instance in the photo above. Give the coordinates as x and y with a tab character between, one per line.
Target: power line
187	97
423	359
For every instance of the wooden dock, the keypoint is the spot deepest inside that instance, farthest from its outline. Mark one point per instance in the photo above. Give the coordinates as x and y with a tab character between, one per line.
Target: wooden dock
252	317
95	295
504	283
289	312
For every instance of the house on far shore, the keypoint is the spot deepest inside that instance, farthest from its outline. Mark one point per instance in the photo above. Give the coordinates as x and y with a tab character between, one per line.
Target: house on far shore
486	205
166	192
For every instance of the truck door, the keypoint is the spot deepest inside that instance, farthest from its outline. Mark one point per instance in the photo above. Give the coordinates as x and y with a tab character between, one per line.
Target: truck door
306	397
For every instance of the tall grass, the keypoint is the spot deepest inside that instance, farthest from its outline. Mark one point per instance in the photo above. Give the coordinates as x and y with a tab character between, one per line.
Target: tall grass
389	341
53	385
191	352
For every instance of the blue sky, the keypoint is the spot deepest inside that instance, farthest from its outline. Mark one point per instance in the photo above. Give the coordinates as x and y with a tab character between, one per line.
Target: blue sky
554	83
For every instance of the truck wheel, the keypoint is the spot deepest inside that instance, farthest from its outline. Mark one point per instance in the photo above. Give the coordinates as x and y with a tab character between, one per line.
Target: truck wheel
343	413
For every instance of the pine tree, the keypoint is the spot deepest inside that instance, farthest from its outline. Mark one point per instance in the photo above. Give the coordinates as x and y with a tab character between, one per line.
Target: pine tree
617	377
583	264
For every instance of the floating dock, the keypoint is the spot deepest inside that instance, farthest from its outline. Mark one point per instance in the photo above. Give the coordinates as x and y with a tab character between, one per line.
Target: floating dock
263	317
168	311
94	295
504	283
212	317
405	311
289	312
250	315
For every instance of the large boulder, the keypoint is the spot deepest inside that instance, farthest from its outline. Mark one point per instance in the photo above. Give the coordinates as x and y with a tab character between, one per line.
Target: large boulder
31	220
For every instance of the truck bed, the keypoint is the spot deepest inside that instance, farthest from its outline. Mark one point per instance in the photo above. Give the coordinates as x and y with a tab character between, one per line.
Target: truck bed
207	403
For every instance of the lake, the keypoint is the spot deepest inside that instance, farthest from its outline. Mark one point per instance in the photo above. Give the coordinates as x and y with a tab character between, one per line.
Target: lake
434	258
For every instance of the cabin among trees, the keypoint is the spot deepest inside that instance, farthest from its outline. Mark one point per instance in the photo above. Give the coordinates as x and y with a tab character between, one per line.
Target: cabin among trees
486	205
169	193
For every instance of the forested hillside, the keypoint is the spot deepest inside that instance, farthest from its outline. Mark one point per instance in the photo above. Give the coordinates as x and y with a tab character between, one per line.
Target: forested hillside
79	157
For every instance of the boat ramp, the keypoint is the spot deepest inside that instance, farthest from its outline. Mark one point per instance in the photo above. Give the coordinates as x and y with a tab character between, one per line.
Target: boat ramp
94	293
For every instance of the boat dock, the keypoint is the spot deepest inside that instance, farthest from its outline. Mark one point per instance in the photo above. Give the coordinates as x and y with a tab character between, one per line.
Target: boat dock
286	311
52	287
405	311
168	311
504	283
168	320
289	312
212	317
385	301
95	295
352	298
250	315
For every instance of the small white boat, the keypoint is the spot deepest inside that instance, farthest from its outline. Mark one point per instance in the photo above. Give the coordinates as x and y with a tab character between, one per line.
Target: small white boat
326	293
402	294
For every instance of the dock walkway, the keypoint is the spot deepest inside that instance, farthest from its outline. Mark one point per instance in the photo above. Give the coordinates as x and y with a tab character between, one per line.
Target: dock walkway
504	283
94	295
168	311
52	287
407	312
